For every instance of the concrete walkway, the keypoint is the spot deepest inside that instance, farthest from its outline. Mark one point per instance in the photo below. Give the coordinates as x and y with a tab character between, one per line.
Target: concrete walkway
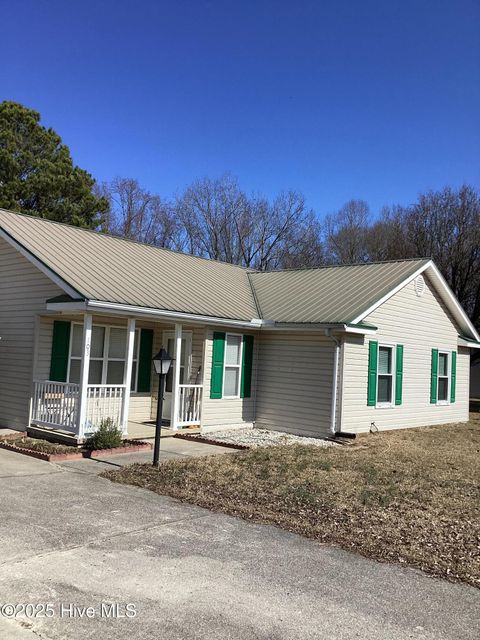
170	448
70	538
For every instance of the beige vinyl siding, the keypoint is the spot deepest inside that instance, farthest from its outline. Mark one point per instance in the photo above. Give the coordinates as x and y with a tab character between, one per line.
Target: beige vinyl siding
226	412
294	384
420	324
23	291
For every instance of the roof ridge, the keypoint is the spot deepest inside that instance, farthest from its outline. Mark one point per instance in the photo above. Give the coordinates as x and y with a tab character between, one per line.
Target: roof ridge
341	265
131	240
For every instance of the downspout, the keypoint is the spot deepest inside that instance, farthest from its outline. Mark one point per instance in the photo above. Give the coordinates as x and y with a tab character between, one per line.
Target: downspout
333	411
257	349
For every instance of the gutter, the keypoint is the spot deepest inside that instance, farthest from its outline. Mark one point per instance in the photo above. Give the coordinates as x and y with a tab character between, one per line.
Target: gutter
333	411
116	308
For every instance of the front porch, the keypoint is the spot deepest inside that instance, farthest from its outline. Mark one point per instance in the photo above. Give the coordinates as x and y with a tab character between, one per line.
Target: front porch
106	346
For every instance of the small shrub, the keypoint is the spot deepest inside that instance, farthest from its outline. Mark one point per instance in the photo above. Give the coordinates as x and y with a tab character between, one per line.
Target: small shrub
107	436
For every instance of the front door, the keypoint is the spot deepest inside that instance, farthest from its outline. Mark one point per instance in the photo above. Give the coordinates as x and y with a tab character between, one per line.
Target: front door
185	367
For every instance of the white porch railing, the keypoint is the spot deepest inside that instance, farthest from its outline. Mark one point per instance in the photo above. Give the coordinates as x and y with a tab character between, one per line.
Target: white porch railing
189	404
104	401
55	404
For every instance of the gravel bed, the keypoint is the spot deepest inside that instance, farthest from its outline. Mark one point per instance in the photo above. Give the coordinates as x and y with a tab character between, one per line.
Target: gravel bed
253	438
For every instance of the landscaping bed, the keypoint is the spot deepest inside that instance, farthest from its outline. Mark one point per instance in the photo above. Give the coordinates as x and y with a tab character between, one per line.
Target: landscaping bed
252	437
51	452
409	496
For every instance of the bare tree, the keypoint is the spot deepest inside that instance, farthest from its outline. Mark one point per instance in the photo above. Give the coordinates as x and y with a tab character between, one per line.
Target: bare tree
265	236
445	225
221	222
207	211
304	245
386	238
346	232
137	214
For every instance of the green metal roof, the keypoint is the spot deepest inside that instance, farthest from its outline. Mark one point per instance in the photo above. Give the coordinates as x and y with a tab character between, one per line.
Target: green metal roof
328	294
105	268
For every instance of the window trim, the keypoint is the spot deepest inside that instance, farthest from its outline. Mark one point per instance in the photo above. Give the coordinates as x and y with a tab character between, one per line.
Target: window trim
391	403
447	353
105	359
233	366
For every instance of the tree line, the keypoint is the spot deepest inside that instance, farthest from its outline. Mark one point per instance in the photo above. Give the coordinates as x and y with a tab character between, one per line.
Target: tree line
217	219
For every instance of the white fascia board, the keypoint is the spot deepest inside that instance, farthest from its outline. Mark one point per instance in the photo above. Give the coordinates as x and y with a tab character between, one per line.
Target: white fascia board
39	265
362	331
453	303
315	326
391	293
114	308
468	344
299	326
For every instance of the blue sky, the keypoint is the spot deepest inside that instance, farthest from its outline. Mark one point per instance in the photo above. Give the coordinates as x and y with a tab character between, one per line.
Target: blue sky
367	99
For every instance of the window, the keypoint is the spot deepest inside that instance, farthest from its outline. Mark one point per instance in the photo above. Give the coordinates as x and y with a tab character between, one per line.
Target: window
443	377
385	375
107	355
233	362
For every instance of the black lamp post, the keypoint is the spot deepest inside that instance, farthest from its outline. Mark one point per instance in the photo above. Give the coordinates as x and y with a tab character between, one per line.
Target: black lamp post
161	362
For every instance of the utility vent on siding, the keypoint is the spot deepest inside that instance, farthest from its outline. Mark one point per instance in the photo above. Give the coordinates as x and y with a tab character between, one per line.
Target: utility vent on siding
419	286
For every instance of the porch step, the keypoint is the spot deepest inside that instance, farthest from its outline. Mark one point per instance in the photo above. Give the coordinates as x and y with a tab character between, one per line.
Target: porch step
54	435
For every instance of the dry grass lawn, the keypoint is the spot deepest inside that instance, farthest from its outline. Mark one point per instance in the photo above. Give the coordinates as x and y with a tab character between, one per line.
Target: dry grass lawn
408	496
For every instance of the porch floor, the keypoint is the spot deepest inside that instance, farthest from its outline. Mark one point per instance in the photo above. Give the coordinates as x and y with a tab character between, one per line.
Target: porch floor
146	430
136	431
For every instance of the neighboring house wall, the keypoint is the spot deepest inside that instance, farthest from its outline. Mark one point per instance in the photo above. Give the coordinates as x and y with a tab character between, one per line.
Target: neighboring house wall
475	380
294	386
227	412
420	324
23	291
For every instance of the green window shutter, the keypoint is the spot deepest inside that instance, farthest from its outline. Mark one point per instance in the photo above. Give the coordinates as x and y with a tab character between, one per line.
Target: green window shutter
247	361
434	377
60	351
145	360
399	375
453	378
372	373
218	357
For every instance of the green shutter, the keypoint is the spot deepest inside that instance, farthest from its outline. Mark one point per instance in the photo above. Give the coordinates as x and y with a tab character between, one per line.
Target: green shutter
399	375
60	351
453	378
247	361
434	377
372	373
145	360
218	357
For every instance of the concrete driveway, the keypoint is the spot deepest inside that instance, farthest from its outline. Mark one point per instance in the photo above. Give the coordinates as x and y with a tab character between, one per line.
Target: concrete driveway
73	539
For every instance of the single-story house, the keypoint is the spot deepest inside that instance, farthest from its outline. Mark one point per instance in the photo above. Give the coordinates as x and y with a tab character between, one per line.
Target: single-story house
309	351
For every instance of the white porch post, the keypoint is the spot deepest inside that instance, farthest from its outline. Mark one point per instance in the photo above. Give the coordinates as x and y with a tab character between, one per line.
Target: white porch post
127	379
176	377
84	368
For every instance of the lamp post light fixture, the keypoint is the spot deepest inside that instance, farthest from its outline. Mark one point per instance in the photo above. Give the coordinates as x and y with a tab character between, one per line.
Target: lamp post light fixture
162	362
